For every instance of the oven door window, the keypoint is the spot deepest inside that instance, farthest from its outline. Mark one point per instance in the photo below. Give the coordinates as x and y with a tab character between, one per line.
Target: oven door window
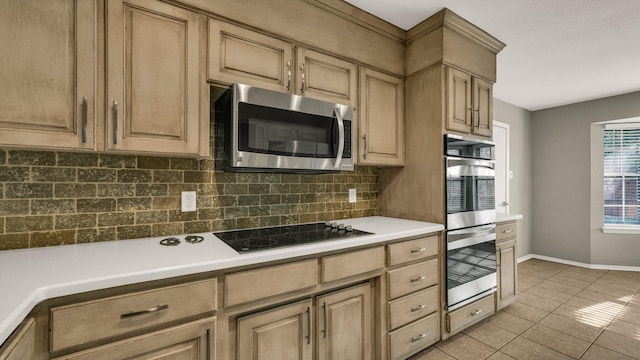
275	131
470	263
469	188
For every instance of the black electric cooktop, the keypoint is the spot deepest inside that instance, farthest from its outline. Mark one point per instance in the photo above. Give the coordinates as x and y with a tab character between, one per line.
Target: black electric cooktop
249	240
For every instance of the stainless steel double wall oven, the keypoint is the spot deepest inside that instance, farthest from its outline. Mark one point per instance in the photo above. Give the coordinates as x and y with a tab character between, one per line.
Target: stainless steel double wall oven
471	229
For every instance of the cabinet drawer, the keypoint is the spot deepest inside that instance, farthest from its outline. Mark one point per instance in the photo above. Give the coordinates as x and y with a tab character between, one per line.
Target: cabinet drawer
413	250
246	286
414	337
412	307
506	231
470	314
99	319
353	263
412	278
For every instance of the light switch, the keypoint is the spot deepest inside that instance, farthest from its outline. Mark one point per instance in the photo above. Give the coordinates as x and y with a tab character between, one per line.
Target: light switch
352	195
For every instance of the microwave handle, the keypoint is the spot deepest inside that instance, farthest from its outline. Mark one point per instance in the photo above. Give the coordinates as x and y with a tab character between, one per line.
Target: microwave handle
336	110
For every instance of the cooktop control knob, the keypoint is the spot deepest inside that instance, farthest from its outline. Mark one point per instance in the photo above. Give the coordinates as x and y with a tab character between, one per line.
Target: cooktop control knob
340	226
349	228
327	224
334	225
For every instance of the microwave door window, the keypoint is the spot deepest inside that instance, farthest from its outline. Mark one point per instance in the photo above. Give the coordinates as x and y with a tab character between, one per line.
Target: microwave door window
281	132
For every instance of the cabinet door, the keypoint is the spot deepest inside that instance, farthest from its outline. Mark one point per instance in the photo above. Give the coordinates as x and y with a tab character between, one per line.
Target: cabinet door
381	119
458	109
283	333
240	55
191	341
47	67
156	93
483	107
507	273
325	77
345	326
22	345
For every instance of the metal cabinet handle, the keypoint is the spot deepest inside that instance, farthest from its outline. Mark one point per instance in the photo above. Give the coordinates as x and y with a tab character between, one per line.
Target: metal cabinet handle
144	312
114	110
364	139
419	278
308	336
85	110
508	231
418	338
303	80
418	308
324	319
289	75
418	250
476	312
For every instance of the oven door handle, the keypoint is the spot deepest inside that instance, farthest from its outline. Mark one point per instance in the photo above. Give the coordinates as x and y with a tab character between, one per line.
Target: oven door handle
467	237
460	166
337	111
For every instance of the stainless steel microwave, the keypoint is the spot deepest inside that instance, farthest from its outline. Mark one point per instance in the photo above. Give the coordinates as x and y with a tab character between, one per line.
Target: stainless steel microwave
264	130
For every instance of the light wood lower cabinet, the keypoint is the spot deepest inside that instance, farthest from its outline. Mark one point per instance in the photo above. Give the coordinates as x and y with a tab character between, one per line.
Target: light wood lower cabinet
22	345
191	341
281	333
461	318
413	296
507	261
344	328
345	324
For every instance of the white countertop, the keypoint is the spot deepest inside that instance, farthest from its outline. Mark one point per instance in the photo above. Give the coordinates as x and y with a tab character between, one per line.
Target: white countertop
30	276
501	217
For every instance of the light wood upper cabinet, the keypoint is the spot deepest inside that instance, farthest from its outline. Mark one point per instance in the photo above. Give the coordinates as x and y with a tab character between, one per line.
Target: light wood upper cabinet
281	333
47	68
381	119
469	103
325	77
156	93
345	324
237	54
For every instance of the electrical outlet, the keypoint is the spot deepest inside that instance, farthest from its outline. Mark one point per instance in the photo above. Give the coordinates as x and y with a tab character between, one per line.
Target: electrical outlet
352	195
188	201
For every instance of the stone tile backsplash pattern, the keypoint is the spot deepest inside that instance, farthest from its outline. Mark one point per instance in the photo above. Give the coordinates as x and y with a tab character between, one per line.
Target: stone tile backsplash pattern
56	198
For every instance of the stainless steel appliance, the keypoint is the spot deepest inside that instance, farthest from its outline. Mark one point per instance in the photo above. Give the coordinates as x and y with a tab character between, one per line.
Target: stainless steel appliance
264	130
249	240
470	204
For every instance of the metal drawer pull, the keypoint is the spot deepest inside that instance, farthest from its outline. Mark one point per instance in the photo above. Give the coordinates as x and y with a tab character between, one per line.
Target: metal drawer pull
289	75
418	250
308	336
418	308
144	312
478	311
419	278
418	338
114	110
508	231
85	110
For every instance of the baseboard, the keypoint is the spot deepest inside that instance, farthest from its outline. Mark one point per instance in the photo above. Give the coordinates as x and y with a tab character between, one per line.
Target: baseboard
579	264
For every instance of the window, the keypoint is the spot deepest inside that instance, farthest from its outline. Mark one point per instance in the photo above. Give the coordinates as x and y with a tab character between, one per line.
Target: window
622	174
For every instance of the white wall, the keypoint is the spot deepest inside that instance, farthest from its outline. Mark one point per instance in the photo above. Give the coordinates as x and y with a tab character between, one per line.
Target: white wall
519	121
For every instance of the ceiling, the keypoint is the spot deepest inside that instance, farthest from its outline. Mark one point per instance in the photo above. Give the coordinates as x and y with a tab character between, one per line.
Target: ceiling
558	51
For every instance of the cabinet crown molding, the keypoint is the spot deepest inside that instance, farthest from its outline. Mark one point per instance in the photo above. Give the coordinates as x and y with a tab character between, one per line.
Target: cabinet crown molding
451	20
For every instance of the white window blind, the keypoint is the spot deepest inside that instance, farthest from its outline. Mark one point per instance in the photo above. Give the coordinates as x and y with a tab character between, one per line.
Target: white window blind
622	174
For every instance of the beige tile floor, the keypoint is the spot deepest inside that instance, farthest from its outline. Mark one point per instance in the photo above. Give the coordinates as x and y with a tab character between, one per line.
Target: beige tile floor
562	312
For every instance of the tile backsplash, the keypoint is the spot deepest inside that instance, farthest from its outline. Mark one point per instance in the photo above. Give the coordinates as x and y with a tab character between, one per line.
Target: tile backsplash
56	198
